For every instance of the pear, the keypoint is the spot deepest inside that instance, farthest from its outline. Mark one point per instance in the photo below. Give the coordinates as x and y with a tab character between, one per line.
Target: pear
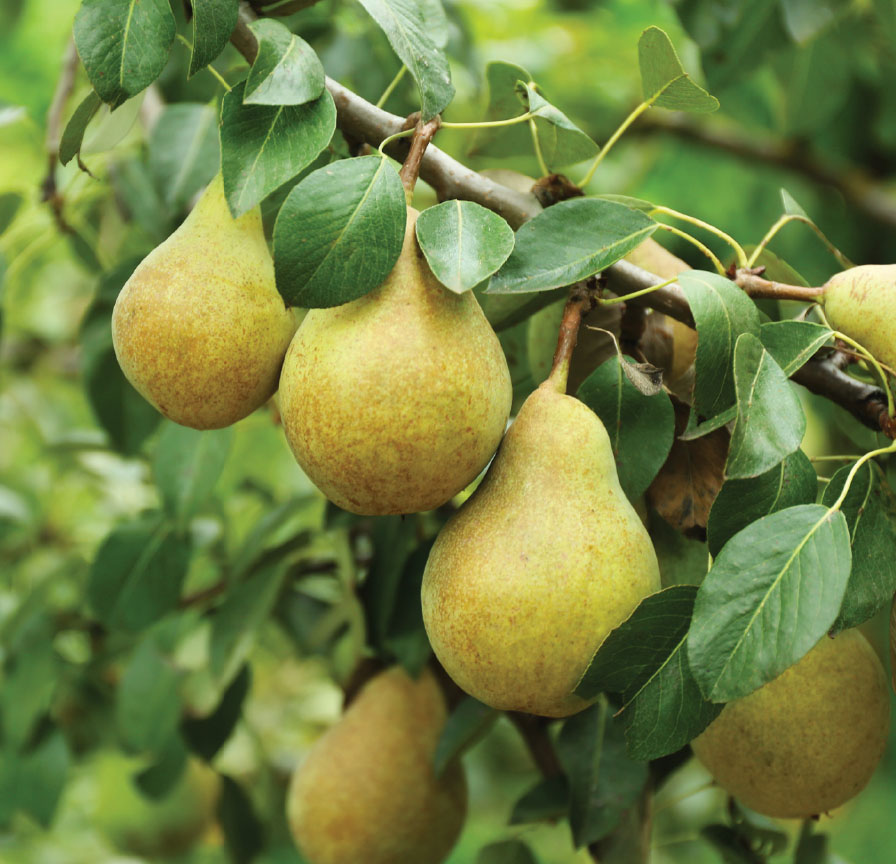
546	557
807	741
199	329
395	402
367	791
861	302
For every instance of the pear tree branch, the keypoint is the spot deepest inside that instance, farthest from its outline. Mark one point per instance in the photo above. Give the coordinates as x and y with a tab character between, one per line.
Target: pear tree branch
361	121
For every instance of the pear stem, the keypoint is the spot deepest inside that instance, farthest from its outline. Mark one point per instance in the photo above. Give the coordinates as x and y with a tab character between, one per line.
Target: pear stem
579	303
750	279
423	134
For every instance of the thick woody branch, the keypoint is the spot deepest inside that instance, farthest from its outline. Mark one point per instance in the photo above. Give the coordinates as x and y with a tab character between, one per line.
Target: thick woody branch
361	121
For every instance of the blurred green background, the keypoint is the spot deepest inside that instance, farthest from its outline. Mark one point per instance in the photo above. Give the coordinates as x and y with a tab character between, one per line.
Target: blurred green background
812	87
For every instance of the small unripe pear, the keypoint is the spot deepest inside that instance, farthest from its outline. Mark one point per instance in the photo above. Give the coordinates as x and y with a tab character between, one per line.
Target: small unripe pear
861	302
199	329
807	741
368	792
395	402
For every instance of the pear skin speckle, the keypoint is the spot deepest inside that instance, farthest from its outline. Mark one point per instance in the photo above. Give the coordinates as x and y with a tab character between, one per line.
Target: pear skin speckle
807	741
199	329
547	556
395	402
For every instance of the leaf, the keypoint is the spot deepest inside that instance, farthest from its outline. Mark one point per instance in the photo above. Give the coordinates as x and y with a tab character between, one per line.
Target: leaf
687	484
603	781
807	18
665	83
870	510
159	778
184	152
123	44
772	593
186	466
147	708
739	502
264	146
213	22
561	142
645	660
243	831
405	637
506	852
207	735
286	70
137	574
568	242
641	428
73	134
695	430
111	126
770	421
33	782
339	232
463	243
406	31
791	205
546	800
632	203
467	722
504	102
730	844
792	343
721	312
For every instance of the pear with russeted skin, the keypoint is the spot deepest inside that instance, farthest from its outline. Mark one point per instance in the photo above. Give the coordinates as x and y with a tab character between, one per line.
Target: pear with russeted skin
545	558
810	739
368	792
395	402
199	329
861	302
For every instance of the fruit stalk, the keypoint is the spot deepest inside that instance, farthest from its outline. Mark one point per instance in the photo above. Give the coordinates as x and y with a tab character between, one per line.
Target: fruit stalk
579	303
410	170
751	281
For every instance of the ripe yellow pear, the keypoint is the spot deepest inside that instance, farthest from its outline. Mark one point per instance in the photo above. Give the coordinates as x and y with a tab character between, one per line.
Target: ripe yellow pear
395	402
547	556
199	329
367	791
861	302
807	741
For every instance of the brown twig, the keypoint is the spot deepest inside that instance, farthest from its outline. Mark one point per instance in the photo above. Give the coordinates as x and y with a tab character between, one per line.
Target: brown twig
423	134
64	88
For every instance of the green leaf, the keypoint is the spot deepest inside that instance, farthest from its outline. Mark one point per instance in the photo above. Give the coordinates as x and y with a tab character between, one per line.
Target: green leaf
33	782
111	126
406	31
739	502
286	70
339	232
73	134
561	142
570	241
10	202
665	83
213	22
811	848
160	777
807	18
147	707
632	203
641	428
791	205
770	422
123	44
466	724
721	312
792	343
772	593
405	636
184	153
729	843
506	852
207	735
603	780
547	800
504	102
186	466
243	831
137	574
463	243
645	660
263	146
695	430
870	510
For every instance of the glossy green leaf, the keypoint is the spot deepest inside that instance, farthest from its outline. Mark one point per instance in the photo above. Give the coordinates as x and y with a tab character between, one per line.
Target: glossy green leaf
339	232
739	502
641	428
547	800
792	343
33	782
73	134
263	146
504	102
560	141
570	241
665	83
467	723
773	592
770	421
463	243
123	44
791	205
721	312
644	660
243	831
408	35
870	511
213	22
207	735
286	70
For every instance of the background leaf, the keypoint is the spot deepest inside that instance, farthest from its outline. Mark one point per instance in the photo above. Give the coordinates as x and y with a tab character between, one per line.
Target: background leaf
213	22
665	82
